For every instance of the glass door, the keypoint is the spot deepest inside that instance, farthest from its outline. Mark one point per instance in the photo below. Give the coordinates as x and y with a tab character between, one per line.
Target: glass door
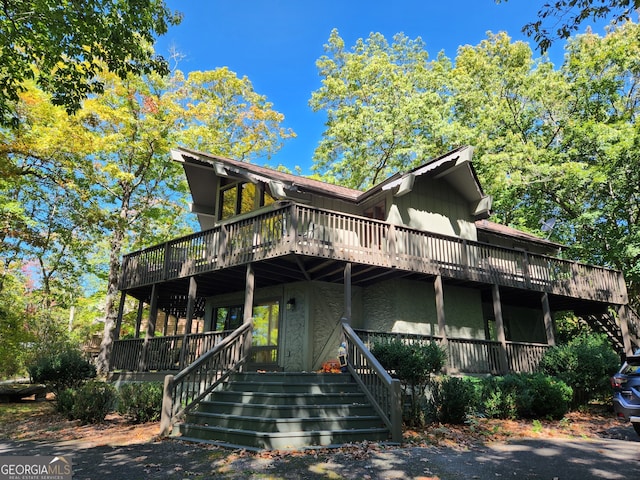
266	319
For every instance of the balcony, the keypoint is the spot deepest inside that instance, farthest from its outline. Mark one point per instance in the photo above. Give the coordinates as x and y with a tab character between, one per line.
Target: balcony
309	232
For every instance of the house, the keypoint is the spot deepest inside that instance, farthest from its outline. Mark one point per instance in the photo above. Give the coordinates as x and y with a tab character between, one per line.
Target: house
285	268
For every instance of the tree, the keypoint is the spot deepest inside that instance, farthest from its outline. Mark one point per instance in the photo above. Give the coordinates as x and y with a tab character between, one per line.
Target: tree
65	46
385	107
550	142
570	14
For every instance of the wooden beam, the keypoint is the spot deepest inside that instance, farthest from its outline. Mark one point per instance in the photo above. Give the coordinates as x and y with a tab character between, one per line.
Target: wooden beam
548	320
497	311
250	283
151	327
139	318
347	292
439	293
116	330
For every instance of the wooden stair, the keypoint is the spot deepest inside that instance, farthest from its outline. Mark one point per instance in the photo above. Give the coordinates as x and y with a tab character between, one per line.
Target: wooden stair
274	411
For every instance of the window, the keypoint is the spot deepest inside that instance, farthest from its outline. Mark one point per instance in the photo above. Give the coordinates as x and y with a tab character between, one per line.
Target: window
244	197
228	318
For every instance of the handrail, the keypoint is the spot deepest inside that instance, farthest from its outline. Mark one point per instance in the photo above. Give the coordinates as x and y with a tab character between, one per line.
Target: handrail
381	390
314	231
187	388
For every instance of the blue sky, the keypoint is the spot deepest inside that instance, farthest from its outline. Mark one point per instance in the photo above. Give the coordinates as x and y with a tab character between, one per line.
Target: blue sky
275	43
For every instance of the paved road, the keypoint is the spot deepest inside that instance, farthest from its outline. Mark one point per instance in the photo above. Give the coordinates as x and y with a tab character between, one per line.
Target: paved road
561	459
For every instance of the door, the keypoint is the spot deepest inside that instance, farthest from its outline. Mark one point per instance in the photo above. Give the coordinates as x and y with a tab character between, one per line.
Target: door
266	320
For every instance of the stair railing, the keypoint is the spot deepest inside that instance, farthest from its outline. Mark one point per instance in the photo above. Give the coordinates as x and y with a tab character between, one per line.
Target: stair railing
381	390
184	390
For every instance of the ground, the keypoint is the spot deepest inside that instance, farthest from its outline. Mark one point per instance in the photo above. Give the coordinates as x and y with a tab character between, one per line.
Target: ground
593	441
37	421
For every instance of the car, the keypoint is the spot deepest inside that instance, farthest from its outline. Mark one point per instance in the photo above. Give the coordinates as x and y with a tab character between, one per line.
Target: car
626	391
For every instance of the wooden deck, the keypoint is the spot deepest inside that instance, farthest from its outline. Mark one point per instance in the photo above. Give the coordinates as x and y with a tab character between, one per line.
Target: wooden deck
312	232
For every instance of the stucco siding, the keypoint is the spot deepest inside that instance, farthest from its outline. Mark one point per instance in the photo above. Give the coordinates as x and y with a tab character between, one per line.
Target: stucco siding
463	312
400	306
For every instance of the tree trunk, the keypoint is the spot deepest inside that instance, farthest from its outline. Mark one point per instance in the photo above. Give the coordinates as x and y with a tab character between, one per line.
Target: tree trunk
111	312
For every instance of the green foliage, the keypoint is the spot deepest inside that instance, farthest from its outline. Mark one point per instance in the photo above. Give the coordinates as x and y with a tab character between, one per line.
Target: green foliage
65	399
524	396
93	401
65	51
14	334
65	369
140	402
452	400
413	365
585	364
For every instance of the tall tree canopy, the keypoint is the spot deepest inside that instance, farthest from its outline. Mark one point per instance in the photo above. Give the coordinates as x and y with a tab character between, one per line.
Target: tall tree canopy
115	185
562	18
550	142
65	45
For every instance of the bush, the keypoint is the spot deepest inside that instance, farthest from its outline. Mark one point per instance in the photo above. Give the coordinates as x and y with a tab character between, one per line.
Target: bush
93	402
62	370
413	365
586	364
452	400
525	395
141	402
64	402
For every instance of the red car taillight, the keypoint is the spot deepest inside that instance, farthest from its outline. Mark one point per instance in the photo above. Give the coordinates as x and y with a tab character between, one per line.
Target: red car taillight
618	382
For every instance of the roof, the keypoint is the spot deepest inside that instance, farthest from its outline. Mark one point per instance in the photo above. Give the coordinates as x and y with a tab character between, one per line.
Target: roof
299	183
499	229
268	174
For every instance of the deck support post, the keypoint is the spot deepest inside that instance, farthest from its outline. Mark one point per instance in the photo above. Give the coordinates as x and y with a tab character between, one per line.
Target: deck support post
497	311
438	288
191	304
118	327
250	282
623	318
139	318
548	321
151	327
347	293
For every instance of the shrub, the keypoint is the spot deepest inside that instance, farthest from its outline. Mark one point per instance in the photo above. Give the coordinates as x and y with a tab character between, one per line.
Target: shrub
62	370
64	402
413	365
141	402
586	364
93	402
452	400
525	395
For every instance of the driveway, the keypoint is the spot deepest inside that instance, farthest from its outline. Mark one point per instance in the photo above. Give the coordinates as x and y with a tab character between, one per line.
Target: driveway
522	458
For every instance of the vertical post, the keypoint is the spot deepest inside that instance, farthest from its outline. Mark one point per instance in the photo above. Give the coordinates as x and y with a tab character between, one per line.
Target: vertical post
118	327
191	300
548	321
347	292
248	306
623	318
497	310
151	327
139	318
166	415
438	288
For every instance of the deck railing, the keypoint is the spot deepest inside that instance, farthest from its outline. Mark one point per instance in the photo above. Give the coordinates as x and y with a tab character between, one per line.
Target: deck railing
382	390
471	356
162	353
187	388
311	231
